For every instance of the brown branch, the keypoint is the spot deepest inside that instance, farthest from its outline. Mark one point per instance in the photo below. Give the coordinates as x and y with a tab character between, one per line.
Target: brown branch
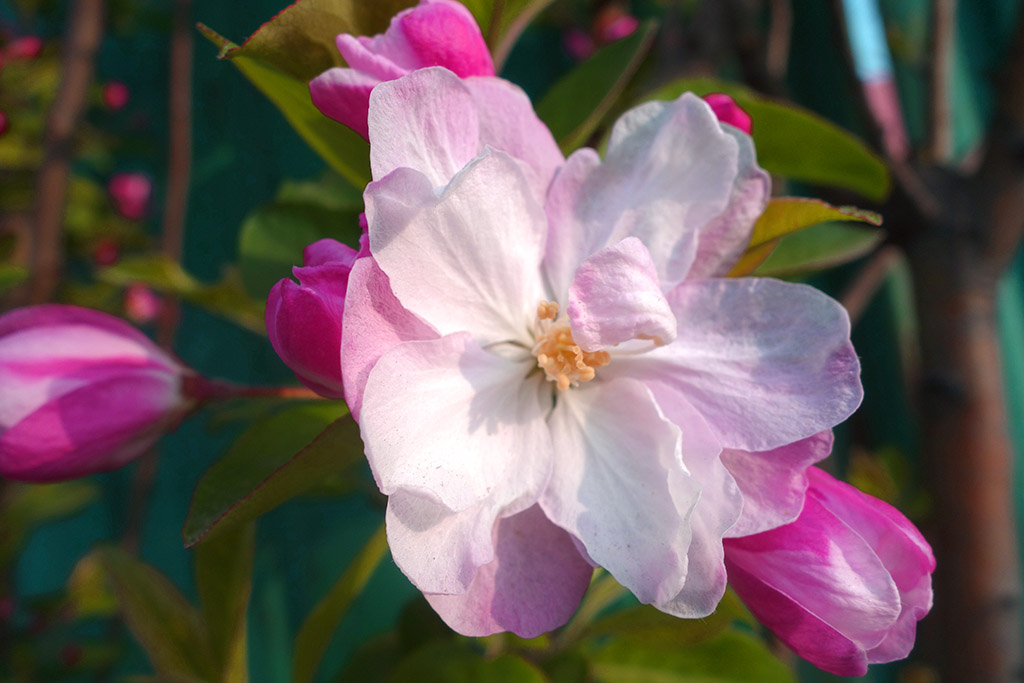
868	281
85	31
940	78
179	157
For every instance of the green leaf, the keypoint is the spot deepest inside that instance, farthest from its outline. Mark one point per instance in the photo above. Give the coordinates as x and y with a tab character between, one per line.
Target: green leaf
224	577
167	627
454	662
271	463
795	143
316	631
817	248
577	103
294	47
732	657
11	276
274	236
786	215
226	298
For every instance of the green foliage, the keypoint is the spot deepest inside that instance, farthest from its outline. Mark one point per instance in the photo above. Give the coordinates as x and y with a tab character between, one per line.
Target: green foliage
795	143
316	631
576	104
272	462
26	506
293	48
819	247
224	577
226	298
170	630
274	236
455	662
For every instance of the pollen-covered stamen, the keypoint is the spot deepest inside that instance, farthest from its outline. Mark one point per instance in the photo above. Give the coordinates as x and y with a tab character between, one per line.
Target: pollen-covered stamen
561	358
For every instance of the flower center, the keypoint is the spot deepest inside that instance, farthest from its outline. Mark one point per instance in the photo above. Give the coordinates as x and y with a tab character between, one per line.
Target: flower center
558	355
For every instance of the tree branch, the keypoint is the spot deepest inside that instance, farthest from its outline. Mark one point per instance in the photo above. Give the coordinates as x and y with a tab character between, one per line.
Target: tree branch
940	104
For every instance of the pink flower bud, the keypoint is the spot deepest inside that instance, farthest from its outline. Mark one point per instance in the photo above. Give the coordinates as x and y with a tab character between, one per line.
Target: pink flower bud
105	252
26	47
577	44
5	123
613	23
131	193
141	305
115	95
433	33
304	320
844	585
83	392
728	111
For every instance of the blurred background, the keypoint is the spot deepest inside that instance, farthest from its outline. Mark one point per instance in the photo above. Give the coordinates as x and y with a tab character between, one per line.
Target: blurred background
122	136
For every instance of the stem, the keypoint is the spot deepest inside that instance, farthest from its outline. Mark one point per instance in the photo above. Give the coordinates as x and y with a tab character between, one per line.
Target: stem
869	280
85	31
940	77
203	389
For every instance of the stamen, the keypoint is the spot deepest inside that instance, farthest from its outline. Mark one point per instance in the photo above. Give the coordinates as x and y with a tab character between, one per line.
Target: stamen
558	354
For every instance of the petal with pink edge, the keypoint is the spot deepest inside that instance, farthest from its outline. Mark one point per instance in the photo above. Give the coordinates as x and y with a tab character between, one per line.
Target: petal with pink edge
343	95
468	259
443	33
374	322
765	362
615	297
450	421
426	121
618	484
533	585
774	482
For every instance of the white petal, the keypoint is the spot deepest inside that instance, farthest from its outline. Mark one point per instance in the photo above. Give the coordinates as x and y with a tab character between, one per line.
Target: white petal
450	421
468	259
619	485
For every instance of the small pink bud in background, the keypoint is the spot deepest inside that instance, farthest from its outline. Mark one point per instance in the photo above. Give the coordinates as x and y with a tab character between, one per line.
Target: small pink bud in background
844	585
577	44
141	305
5	123
131	193
433	33
106	252
614	23
83	392
304	320
26	47
115	95
728	111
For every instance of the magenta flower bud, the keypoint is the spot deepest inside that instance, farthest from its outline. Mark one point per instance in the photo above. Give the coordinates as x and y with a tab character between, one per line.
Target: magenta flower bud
26	47
141	305
131	193
578	44
728	111
304	320
83	392
433	33
115	95
844	585
5	123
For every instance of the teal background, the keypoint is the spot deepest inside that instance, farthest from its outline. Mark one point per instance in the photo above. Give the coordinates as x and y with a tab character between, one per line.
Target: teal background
243	149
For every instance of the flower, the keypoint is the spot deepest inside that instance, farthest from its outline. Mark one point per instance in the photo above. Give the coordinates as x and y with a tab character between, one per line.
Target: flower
83	392
24	48
304	320
115	95
433	33
546	363
131	193
141	304
844	585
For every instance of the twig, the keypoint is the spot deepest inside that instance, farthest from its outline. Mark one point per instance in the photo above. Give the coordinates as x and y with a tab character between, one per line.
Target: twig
85	31
179	155
940	102
868	281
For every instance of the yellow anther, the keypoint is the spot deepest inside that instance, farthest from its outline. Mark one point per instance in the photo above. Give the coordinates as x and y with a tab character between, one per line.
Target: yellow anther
558	354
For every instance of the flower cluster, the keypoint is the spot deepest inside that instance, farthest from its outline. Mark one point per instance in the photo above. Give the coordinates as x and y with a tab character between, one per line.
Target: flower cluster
551	371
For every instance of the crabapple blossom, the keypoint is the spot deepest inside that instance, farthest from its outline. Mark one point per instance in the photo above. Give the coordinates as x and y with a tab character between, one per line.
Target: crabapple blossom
546	361
84	392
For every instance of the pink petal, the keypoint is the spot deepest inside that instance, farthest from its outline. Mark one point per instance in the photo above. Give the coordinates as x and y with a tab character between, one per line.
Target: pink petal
426	121
344	95
618	485
533	585
443	33
92	428
615	297
568	242
447	420
765	362
774	482
468	259
728	111
374	322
